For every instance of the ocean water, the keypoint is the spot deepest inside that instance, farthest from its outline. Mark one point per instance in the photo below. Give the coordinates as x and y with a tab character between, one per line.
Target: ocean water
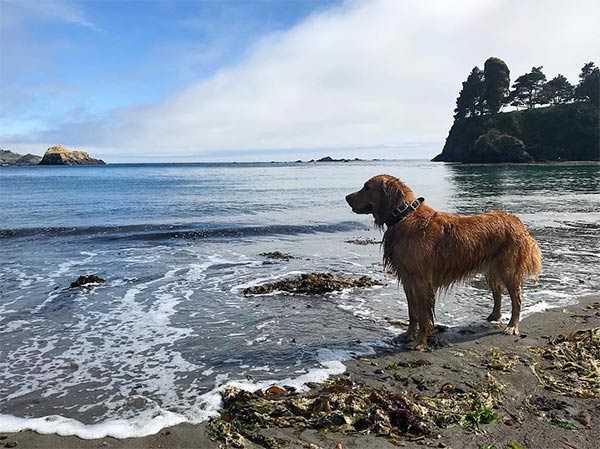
176	244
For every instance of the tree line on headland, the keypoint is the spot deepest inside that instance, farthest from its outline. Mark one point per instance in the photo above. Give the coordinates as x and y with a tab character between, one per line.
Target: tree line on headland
567	128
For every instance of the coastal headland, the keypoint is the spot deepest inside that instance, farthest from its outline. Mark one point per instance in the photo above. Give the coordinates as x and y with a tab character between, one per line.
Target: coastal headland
475	388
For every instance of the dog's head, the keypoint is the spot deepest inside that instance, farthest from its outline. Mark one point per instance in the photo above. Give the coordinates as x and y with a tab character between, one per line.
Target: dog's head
379	196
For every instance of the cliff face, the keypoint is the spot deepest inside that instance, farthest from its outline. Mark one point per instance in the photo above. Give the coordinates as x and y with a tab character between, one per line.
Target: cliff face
60	155
561	132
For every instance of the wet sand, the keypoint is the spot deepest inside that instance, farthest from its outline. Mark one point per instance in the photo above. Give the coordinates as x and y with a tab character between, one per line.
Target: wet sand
527	413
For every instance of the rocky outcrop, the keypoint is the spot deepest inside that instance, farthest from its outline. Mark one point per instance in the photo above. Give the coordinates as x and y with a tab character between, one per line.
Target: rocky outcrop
495	147
86	280
28	159
60	155
564	132
7	157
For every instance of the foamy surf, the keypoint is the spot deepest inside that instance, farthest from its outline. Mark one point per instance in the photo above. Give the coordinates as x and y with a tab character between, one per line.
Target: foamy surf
153	420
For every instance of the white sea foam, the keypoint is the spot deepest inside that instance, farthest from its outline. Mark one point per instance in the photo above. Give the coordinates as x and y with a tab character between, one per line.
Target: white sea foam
146	423
152	420
261	280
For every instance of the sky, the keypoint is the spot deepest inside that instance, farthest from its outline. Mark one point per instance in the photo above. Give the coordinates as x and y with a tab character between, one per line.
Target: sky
261	80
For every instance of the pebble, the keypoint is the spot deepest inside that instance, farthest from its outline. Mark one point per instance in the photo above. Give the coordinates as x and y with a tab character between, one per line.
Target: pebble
275	390
508	421
584	418
11	444
379	371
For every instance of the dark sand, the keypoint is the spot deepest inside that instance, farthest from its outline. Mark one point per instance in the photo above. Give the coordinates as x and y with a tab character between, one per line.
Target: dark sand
456	358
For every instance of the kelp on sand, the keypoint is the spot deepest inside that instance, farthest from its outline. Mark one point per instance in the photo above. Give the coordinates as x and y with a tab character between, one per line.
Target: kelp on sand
340	405
571	364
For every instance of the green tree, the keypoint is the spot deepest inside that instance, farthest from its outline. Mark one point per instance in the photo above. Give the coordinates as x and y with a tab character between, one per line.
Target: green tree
527	88
588	88
557	90
469	101
496	83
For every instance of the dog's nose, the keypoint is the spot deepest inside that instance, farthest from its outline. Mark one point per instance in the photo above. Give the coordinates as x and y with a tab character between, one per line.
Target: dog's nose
349	198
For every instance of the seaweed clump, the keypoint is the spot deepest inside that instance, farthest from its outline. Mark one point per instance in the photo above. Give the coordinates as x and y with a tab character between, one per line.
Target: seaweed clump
311	284
498	361
363	242
571	364
340	405
277	255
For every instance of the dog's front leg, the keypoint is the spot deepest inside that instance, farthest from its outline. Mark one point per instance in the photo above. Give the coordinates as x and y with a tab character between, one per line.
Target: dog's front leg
425	303
410	333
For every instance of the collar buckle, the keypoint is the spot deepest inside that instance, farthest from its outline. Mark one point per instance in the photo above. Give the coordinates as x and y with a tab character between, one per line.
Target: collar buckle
398	214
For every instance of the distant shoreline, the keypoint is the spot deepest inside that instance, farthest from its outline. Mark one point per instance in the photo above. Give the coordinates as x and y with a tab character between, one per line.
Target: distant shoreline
466	164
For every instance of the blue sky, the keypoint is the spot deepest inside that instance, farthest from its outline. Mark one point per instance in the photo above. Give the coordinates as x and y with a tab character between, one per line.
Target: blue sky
59	57
161	80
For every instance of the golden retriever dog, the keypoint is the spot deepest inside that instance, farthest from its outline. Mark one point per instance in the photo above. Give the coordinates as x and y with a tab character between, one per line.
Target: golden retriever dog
429	250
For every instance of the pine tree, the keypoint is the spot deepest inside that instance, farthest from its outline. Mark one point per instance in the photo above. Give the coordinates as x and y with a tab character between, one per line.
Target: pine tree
469	101
588	88
527	88
556	91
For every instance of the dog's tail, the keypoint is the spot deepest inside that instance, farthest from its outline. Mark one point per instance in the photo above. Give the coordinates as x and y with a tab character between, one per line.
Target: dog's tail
533	258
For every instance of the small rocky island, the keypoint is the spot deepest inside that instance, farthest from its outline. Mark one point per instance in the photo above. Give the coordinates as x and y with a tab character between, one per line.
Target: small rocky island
59	155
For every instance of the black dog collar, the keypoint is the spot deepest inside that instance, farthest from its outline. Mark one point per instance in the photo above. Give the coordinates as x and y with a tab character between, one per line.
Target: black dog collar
401	212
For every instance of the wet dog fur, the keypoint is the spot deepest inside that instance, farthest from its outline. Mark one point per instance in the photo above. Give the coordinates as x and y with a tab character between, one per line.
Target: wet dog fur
430	250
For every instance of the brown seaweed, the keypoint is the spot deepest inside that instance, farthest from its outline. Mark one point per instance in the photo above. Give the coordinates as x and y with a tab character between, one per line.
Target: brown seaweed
277	255
311	284
571	364
340	405
364	242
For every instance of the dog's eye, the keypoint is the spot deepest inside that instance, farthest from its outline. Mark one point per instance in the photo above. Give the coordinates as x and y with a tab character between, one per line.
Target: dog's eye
366	188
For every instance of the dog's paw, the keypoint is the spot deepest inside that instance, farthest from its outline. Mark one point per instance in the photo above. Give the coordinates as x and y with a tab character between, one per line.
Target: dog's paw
494	316
404	337
416	346
511	330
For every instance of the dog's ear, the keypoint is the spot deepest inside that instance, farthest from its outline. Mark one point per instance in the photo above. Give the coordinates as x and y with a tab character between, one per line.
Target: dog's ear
390	195
393	192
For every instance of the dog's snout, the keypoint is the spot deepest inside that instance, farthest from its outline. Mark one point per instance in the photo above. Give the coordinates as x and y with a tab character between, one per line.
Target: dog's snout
348	198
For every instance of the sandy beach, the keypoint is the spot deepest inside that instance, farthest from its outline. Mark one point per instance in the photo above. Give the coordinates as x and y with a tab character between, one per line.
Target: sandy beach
527	410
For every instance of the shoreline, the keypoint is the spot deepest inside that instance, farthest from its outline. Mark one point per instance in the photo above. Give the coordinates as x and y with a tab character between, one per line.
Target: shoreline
554	420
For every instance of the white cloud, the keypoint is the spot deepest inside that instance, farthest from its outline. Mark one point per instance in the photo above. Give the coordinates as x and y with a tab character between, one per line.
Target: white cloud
364	75
53	10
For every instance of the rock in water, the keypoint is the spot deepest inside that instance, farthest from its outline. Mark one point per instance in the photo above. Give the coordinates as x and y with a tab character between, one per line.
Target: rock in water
60	155
85	280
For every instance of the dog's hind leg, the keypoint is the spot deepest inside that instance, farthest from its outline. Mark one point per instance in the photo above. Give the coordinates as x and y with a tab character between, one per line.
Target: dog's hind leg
496	287
514	290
